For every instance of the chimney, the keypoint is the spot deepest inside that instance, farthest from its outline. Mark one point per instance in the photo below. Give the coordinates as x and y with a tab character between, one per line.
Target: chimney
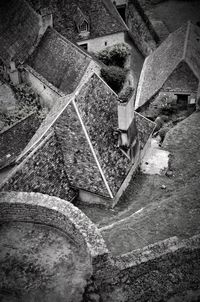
46	19
125	119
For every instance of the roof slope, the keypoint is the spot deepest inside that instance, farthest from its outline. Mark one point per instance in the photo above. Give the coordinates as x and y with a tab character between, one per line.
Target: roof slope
102	15
59	61
97	105
180	45
85	124
14	139
46	124
19	28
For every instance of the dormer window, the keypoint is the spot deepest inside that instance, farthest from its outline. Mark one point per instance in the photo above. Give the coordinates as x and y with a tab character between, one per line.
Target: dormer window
84	27
82	22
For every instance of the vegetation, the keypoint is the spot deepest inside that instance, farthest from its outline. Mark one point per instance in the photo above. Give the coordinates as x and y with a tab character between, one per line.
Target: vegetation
27	103
114	76
115	56
115	73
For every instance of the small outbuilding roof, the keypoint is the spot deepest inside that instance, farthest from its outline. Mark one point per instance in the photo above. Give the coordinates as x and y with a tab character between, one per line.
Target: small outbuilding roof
183	45
19	28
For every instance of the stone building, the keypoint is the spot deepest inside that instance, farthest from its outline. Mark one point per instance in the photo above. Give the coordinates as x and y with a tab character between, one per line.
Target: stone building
57	66
173	69
92	155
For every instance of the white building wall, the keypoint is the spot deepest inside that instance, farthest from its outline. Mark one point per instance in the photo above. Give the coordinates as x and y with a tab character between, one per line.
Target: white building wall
98	44
48	96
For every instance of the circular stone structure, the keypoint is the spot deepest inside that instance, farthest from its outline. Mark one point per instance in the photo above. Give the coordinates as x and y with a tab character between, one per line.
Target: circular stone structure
47	249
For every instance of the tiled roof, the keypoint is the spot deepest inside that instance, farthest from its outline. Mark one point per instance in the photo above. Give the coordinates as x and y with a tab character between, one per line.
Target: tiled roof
79	17
145	128
85	124
102	15
59	61
46	124
97	105
15	138
19	28
181	45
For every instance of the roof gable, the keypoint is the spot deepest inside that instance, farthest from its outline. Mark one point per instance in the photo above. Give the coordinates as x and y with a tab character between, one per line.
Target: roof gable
79	17
164	60
59	61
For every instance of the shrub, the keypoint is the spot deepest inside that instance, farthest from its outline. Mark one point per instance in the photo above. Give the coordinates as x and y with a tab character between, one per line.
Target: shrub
114	76
114	56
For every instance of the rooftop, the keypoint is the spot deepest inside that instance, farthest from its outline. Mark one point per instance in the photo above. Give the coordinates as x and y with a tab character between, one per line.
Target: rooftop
59	61
181	45
102	17
19	28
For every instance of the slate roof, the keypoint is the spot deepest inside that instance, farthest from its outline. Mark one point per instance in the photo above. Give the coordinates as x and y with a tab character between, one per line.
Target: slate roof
19	28
41	171
85	124
145	128
183	45
101	14
59	61
15	138
79	17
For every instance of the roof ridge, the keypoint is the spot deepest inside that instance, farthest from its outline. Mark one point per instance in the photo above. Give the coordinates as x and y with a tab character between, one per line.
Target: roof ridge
48	127
186	39
92	148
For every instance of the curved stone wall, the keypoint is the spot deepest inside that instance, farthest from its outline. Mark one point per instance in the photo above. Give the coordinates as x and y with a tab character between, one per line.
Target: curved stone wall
57	213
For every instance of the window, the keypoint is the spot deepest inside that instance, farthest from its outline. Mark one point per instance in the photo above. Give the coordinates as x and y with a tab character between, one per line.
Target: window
182	100
84	26
106	43
84	46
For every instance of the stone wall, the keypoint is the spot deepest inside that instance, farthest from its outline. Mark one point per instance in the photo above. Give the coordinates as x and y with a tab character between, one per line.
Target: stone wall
182	79
155	273
100	43
41	171
47	92
57	213
15	138
139	28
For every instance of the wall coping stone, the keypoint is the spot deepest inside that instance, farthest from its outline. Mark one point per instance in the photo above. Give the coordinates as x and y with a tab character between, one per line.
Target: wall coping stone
57	213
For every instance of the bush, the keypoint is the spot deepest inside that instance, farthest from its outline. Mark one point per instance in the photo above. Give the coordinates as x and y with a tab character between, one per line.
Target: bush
114	76
114	56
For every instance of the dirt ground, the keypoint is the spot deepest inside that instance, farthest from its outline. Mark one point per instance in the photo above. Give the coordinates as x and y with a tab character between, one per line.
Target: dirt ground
156	207
38	263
